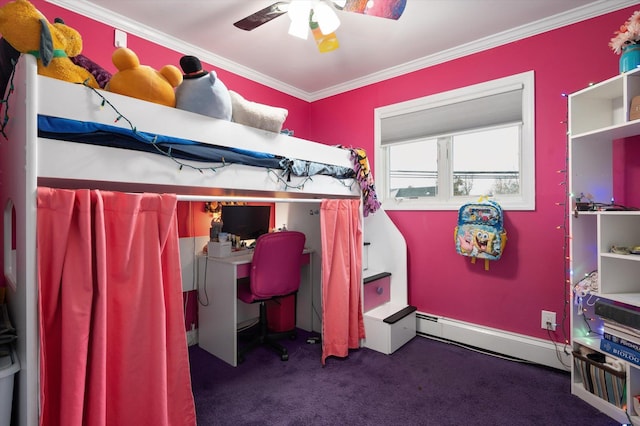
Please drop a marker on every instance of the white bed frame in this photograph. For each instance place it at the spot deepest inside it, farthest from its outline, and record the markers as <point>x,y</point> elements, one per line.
<point>27,162</point>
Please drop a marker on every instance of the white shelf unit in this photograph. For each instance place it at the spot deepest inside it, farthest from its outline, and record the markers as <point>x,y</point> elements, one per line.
<point>598,115</point>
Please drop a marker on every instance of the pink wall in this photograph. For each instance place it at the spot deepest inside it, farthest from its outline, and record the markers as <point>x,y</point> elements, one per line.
<point>530,276</point>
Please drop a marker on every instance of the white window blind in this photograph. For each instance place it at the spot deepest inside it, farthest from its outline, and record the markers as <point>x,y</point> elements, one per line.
<point>455,116</point>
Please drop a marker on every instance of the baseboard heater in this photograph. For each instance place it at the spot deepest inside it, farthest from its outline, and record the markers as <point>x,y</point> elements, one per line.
<point>511,345</point>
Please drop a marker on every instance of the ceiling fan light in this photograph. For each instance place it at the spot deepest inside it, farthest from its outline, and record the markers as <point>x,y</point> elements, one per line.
<point>299,28</point>
<point>326,18</point>
<point>299,10</point>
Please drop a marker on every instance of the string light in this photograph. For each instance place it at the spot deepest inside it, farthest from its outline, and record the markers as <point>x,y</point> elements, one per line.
<point>566,288</point>
<point>181,165</point>
<point>153,142</point>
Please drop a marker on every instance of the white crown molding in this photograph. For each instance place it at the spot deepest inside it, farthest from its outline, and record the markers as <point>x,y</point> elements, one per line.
<point>130,26</point>
<point>571,17</point>
<point>107,17</point>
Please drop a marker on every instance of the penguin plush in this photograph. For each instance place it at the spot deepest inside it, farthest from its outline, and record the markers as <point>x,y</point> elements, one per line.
<point>202,91</point>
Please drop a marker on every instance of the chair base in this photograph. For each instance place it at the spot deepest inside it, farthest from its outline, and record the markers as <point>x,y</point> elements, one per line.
<point>262,337</point>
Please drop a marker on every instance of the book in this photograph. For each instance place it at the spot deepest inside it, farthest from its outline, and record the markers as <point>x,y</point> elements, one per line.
<point>619,351</point>
<point>621,335</point>
<point>601,379</point>
<point>621,340</point>
<point>622,330</point>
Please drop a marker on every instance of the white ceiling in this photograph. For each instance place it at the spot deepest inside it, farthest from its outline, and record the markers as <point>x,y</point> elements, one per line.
<point>371,48</point>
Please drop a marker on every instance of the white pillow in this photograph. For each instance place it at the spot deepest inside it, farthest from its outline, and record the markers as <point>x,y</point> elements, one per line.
<point>256,115</point>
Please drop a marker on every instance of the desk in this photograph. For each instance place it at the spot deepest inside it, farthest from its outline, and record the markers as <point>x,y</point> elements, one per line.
<point>218,320</point>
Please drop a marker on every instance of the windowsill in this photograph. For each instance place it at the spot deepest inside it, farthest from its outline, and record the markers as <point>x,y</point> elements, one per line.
<point>413,204</point>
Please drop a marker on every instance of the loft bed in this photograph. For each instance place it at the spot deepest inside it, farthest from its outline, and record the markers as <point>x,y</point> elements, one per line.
<point>28,160</point>
<point>70,162</point>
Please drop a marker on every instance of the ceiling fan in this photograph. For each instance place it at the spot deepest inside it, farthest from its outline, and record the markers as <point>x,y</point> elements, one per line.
<point>320,17</point>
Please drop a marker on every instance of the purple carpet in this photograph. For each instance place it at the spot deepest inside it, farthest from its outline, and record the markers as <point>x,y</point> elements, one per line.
<point>426,382</point>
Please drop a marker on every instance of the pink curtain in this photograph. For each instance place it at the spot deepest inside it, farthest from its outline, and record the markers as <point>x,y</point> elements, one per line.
<point>113,348</point>
<point>342,323</point>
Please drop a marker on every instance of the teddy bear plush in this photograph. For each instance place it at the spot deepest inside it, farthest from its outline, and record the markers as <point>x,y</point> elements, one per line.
<point>142,81</point>
<point>28,31</point>
<point>202,91</point>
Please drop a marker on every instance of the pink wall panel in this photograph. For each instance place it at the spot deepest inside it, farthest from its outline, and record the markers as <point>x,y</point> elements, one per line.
<point>193,220</point>
<point>530,276</point>
<point>626,189</point>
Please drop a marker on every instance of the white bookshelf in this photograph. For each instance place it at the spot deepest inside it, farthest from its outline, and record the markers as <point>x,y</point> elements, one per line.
<point>598,115</point>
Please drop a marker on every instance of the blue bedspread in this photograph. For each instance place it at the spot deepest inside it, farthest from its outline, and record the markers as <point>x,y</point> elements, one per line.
<point>117,137</point>
<point>177,148</point>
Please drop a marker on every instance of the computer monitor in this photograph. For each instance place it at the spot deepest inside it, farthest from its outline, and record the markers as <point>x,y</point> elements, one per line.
<point>248,222</point>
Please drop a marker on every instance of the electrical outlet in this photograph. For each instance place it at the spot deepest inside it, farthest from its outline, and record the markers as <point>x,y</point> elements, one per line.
<point>548,320</point>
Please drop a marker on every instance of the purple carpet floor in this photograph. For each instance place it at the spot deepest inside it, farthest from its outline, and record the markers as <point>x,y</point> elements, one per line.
<point>426,382</point>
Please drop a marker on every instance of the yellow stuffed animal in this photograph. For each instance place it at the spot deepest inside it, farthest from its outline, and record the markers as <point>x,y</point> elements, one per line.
<point>28,31</point>
<point>142,81</point>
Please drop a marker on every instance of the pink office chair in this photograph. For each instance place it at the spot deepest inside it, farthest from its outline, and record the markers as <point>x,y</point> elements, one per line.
<point>275,272</point>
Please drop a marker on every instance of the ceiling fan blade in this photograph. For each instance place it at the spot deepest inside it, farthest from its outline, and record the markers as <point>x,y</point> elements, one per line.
<point>390,9</point>
<point>262,16</point>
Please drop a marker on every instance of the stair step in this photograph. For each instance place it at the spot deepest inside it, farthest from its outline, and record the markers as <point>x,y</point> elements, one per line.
<point>376,277</point>
<point>400,314</point>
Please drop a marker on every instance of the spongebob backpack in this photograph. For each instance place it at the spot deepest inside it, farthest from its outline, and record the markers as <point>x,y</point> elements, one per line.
<point>480,233</point>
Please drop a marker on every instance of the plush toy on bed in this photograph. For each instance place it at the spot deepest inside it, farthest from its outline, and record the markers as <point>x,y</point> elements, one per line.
<point>257,115</point>
<point>142,81</point>
<point>101,75</point>
<point>202,91</point>
<point>28,31</point>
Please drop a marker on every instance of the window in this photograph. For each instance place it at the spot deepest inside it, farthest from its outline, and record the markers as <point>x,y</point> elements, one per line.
<point>440,151</point>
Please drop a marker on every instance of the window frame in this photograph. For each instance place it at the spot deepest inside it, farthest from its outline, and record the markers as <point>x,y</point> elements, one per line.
<point>444,200</point>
